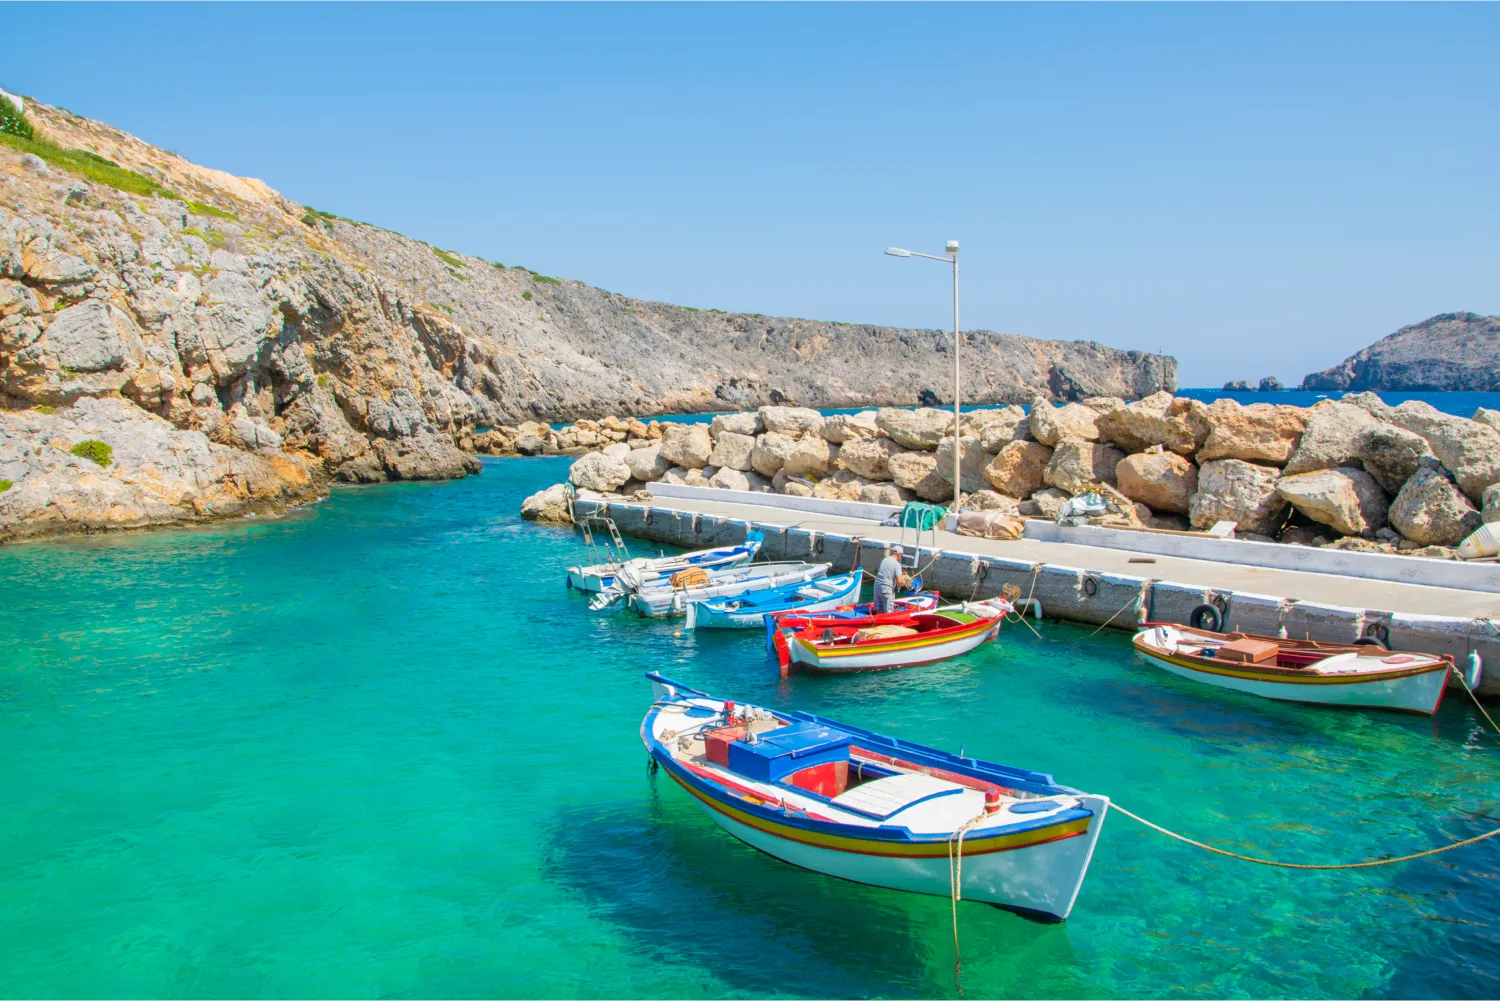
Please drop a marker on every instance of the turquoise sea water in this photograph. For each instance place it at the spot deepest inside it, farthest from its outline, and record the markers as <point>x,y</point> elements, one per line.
<point>377,749</point>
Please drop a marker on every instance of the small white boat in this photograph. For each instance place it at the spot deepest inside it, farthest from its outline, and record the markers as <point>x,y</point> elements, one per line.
<point>605,576</point>
<point>861,806</point>
<point>749,611</point>
<point>672,596</point>
<point>885,642</point>
<point>1335,674</point>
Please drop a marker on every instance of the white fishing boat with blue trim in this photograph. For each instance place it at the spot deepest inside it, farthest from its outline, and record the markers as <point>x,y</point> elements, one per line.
<point>861,806</point>
<point>686,587</point>
<point>605,576</point>
<point>749,611</point>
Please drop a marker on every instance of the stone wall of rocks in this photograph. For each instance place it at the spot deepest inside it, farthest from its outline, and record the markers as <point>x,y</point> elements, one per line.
<point>1355,473</point>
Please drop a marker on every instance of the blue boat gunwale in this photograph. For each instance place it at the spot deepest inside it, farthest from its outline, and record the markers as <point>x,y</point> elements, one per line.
<point>884,832</point>
<point>749,605</point>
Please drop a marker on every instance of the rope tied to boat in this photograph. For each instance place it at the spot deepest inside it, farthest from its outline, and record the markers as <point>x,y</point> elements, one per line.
<point>1137,601</point>
<point>955,882</point>
<point>1369,864</point>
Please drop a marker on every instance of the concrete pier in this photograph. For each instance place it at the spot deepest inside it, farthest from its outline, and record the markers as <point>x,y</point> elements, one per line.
<point>1095,585</point>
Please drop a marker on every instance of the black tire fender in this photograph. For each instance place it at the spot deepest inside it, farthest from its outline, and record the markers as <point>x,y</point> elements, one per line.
<point>1206,617</point>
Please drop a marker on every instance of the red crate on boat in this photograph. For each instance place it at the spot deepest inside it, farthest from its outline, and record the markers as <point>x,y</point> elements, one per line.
<point>716,743</point>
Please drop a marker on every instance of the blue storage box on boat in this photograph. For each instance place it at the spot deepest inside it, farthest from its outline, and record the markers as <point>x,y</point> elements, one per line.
<point>792,748</point>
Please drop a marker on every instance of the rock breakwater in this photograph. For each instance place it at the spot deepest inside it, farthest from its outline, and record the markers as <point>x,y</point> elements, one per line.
<point>1352,474</point>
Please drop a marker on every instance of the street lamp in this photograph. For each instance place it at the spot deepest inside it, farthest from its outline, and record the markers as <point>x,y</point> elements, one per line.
<point>951,258</point>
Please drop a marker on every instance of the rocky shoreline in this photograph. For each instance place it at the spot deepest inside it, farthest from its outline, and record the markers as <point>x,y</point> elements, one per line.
<point>1351,474</point>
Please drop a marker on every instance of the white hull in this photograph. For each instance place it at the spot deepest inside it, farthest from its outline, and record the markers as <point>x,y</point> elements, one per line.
<point>605,576</point>
<point>807,655</point>
<point>662,600</point>
<point>1042,879</point>
<point>1415,693</point>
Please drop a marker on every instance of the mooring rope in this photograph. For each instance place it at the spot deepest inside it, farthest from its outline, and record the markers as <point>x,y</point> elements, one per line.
<point>1301,865</point>
<point>1477,704</point>
<point>1133,601</point>
<point>955,884</point>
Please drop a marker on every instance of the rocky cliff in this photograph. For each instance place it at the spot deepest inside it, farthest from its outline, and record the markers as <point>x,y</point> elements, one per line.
<point>1450,352</point>
<point>230,321</point>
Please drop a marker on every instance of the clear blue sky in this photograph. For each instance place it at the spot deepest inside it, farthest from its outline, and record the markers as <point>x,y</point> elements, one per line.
<point>1255,189</point>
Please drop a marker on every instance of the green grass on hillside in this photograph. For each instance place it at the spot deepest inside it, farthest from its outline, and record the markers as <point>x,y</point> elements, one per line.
<point>448,258</point>
<point>541,279</point>
<point>89,166</point>
<point>94,449</point>
<point>12,121</point>
<point>5,485</point>
<point>199,208</point>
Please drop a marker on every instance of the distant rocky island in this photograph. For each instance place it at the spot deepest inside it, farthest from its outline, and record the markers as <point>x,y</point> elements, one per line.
<point>178,344</point>
<point>1452,352</point>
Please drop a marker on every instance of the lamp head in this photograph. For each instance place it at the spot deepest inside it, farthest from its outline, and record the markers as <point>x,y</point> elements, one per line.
<point>897,252</point>
<point>952,247</point>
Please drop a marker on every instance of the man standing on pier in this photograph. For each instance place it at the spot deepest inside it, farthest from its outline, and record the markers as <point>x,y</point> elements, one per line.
<point>889,579</point>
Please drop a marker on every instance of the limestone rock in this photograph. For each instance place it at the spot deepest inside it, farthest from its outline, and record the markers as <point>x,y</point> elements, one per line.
<point>732,449</point>
<point>1007,425</point>
<point>885,493</point>
<point>550,506</point>
<point>1238,491</point>
<point>1346,499</point>
<point>686,445</point>
<point>1048,503</point>
<point>841,428</point>
<point>792,486</point>
<point>617,450</point>
<point>699,477</point>
<point>1051,425</point>
<point>748,423</point>
<point>771,452</point>
<point>1390,454</point>
<point>1431,511</point>
<point>1491,503</point>
<point>915,429</point>
<point>812,457</point>
<point>917,471</point>
<point>252,435</point>
<point>157,474</point>
<point>868,457</point>
<point>1490,417</point>
<point>676,475</point>
<point>1102,404</point>
<point>842,485</point>
<point>989,500</point>
<point>1334,437</point>
<point>1261,432</point>
<point>1078,465</point>
<point>726,478</point>
<point>646,464</point>
<point>1019,468</point>
<point>790,420</point>
<point>1469,449</point>
<point>1149,422</point>
<point>1163,481</point>
<point>597,471</point>
<point>970,464</point>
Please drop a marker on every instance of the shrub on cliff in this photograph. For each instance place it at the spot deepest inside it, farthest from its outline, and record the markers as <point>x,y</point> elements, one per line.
<point>12,121</point>
<point>95,450</point>
<point>5,485</point>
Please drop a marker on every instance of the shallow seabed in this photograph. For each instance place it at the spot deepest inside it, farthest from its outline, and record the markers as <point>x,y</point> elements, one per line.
<point>378,750</point>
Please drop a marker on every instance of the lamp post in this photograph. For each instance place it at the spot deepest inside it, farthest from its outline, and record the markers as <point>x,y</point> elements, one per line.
<point>951,258</point>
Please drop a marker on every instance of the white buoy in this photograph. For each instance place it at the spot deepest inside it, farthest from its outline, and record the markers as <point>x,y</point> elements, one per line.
<point>1475,673</point>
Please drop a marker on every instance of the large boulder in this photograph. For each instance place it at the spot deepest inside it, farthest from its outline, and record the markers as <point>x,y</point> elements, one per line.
<point>1019,467</point>
<point>1490,509</point>
<point>998,433</point>
<point>1047,503</point>
<point>726,478</point>
<point>970,462</point>
<point>646,464</point>
<point>1490,417</point>
<point>687,445</point>
<point>1238,491</point>
<point>1431,511</point>
<point>1334,437</point>
<point>790,420</point>
<point>842,485</point>
<point>1346,499</point>
<point>1163,481</point>
<point>868,457</point>
<point>597,471</point>
<point>746,424</point>
<point>1180,425</point>
<point>841,428</point>
<point>1390,454</point>
<point>917,472</point>
<point>548,506</point>
<point>813,457</point>
<point>915,429</point>
<point>1469,449</point>
<point>1077,466</point>
<point>1260,432</point>
<point>732,449</point>
<point>770,453</point>
<point>885,493</point>
<point>1050,425</point>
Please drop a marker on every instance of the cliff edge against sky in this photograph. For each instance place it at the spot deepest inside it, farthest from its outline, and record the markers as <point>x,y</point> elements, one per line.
<point>1451,352</point>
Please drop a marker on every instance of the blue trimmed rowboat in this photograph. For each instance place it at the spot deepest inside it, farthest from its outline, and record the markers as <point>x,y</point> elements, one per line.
<point>850,803</point>
<point>672,596</point>
<point>748,611</point>
<point>605,577</point>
